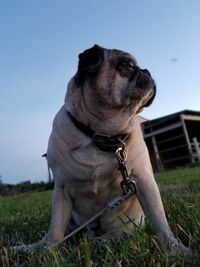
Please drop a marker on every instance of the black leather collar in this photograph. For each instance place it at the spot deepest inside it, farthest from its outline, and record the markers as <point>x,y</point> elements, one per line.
<point>107,143</point>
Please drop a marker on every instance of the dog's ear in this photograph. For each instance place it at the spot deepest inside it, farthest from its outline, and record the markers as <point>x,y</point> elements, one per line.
<point>91,59</point>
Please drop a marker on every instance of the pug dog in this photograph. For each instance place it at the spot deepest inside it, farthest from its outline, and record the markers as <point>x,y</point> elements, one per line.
<point>104,99</point>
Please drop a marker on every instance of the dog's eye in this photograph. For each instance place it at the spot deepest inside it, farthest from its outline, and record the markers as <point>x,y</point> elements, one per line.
<point>129,65</point>
<point>126,67</point>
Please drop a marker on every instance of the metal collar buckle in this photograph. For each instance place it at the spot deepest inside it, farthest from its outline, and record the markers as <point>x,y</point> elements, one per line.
<point>107,142</point>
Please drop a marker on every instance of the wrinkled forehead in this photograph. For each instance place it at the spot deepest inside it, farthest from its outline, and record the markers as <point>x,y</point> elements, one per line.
<point>118,55</point>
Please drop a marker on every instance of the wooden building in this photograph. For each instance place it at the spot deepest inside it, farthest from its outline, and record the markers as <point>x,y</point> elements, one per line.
<point>173,140</point>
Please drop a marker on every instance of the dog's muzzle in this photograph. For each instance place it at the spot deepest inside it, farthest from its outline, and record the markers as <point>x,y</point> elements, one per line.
<point>144,79</point>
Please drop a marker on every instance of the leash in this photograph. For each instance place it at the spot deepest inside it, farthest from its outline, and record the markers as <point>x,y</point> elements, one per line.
<point>105,143</point>
<point>115,202</point>
<point>128,187</point>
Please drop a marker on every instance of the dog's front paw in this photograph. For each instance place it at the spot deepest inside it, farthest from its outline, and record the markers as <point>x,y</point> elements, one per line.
<point>29,247</point>
<point>180,249</point>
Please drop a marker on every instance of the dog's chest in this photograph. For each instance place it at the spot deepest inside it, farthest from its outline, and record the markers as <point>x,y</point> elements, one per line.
<point>93,169</point>
<point>93,162</point>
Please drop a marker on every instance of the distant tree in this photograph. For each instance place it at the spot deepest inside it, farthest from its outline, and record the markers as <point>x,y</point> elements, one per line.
<point>1,179</point>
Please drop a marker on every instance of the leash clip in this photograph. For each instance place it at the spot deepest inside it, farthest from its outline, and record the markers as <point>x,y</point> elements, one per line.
<point>121,157</point>
<point>128,187</point>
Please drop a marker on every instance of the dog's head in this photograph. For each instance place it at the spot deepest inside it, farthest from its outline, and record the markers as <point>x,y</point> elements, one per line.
<point>113,79</point>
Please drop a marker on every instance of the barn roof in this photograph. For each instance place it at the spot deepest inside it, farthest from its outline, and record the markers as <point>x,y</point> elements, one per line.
<point>188,114</point>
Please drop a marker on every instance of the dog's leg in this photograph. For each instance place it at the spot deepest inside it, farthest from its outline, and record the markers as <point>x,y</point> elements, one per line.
<point>61,214</point>
<point>149,197</point>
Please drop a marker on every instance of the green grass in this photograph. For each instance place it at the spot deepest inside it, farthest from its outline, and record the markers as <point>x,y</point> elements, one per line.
<point>25,218</point>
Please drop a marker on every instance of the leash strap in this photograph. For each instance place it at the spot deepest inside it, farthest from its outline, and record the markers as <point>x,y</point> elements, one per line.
<point>128,188</point>
<point>106,143</point>
<point>115,202</point>
<point>112,204</point>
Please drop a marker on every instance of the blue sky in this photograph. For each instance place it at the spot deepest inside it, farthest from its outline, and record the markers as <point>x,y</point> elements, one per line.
<point>39,47</point>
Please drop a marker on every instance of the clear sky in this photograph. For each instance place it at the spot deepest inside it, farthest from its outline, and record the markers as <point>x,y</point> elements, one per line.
<point>39,45</point>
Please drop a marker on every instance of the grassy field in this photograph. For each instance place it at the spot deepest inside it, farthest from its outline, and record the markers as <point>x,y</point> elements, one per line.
<point>25,218</point>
